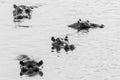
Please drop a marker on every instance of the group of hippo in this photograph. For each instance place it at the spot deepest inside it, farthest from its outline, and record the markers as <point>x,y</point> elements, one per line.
<point>31,67</point>
<point>63,43</point>
<point>22,12</point>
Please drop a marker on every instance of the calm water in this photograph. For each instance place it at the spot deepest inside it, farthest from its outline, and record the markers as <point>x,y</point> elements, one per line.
<point>96,58</point>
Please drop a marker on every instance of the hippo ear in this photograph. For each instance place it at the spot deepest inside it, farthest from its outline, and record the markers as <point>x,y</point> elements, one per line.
<point>22,63</point>
<point>66,38</point>
<point>88,21</point>
<point>40,63</point>
<point>14,5</point>
<point>53,39</point>
<point>80,20</point>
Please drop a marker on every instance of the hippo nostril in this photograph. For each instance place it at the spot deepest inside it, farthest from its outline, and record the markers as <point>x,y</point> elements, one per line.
<point>26,16</point>
<point>19,17</point>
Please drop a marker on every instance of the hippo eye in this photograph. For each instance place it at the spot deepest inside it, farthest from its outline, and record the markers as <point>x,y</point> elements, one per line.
<point>27,10</point>
<point>20,10</point>
<point>36,70</point>
<point>22,63</point>
<point>24,70</point>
